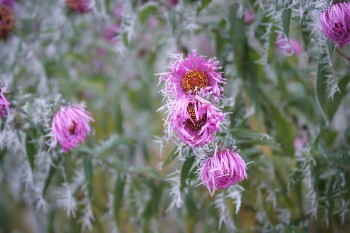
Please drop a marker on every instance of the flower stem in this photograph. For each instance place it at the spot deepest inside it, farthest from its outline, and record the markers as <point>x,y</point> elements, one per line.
<point>342,54</point>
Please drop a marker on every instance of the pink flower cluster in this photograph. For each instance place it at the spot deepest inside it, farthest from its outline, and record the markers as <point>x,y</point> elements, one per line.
<point>191,80</point>
<point>335,22</point>
<point>193,89</point>
<point>70,126</point>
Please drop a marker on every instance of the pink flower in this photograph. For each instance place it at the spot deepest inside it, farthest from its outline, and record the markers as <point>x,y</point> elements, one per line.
<point>248,17</point>
<point>223,169</point>
<point>335,22</point>
<point>193,75</point>
<point>288,47</point>
<point>80,6</point>
<point>195,120</point>
<point>70,126</point>
<point>4,104</point>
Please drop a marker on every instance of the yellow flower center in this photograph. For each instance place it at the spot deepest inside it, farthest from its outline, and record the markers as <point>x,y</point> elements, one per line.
<point>193,80</point>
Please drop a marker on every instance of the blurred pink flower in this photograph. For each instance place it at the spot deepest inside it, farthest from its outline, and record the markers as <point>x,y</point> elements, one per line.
<point>152,22</point>
<point>335,22</point>
<point>193,75</point>
<point>70,126</point>
<point>173,2</point>
<point>4,104</point>
<point>299,143</point>
<point>288,47</point>
<point>110,33</point>
<point>195,120</point>
<point>223,169</point>
<point>248,17</point>
<point>80,6</point>
<point>117,11</point>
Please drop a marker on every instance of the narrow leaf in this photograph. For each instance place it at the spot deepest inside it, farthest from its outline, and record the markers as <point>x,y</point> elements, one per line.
<point>118,196</point>
<point>185,171</point>
<point>321,89</point>
<point>334,103</point>
<point>88,174</point>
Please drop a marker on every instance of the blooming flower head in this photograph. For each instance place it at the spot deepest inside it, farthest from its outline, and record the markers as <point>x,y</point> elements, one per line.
<point>7,21</point>
<point>288,47</point>
<point>70,126</point>
<point>4,104</point>
<point>191,76</point>
<point>335,22</point>
<point>195,120</point>
<point>223,169</point>
<point>80,6</point>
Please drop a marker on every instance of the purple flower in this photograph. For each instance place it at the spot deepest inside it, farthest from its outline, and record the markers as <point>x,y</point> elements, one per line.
<point>7,21</point>
<point>80,6</point>
<point>335,22</point>
<point>70,126</point>
<point>288,47</point>
<point>223,169</point>
<point>195,120</point>
<point>193,75</point>
<point>4,104</point>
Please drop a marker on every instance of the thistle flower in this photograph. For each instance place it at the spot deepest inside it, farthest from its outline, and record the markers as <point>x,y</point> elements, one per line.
<point>223,169</point>
<point>80,6</point>
<point>7,21</point>
<point>192,76</point>
<point>288,46</point>
<point>4,104</point>
<point>195,120</point>
<point>70,126</point>
<point>335,22</point>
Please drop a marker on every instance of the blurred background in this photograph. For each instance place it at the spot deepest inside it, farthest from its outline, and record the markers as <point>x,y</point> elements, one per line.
<point>286,95</point>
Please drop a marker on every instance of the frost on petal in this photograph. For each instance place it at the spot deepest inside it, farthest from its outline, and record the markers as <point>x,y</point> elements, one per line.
<point>193,75</point>
<point>70,126</point>
<point>335,22</point>
<point>224,169</point>
<point>195,121</point>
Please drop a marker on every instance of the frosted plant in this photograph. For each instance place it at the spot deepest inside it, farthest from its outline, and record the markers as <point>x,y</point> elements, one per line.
<point>66,200</point>
<point>174,191</point>
<point>225,216</point>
